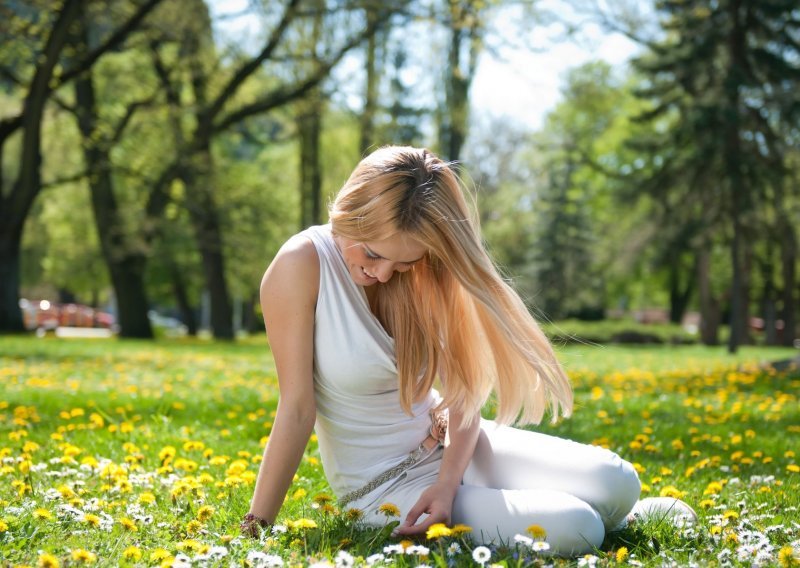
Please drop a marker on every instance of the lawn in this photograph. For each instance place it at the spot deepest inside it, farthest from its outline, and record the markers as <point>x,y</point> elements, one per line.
<point>138,453</point>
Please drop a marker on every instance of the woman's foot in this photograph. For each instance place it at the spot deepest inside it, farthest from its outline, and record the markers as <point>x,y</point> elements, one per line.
<point>660,508</point>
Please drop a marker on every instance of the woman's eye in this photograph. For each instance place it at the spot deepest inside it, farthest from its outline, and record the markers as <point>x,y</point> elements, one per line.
<point>371,255</point>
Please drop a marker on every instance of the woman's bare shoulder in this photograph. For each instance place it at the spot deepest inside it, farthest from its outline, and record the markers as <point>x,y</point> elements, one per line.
<point>295,269</point>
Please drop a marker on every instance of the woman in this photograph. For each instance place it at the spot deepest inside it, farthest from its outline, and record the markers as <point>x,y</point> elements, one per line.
<point>365,313</point>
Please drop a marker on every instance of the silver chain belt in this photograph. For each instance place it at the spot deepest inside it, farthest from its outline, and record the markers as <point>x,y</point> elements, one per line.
<point>437,435</point>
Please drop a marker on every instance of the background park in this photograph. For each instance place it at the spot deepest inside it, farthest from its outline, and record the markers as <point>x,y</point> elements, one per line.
<point>636,169</point>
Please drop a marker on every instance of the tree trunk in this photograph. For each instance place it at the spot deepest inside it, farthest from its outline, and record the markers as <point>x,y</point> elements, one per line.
<point>126,265</point>
<point>709,306</point>
<point>789,272</point>
<point>371,90</point>
<point>199,179</point>
<point>182,299</point>
<point>678,297</point>
<point>310,130</point>
<point>15,206</point>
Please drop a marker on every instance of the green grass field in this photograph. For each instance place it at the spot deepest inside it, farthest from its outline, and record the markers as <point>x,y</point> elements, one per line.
<point>137,453</point>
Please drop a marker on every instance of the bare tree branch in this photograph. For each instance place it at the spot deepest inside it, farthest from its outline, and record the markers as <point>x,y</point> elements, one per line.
<point>287,94</point>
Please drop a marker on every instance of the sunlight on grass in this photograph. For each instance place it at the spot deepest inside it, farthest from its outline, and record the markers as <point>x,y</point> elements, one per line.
<point>136,453</point>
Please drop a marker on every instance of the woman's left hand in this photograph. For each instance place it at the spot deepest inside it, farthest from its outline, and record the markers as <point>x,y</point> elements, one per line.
<point>437,502</point>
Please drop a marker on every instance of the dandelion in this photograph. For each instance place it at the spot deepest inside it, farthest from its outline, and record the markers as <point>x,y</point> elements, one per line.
<point>132,553</point>
<point>303,524</point>
<point>786,557</point>
<point>706,503</point>
<point>42,514</point>
<point>438,530</point>
<point>128,524</point>
<point>48,560</point>
<point>481,555</point>
<point>389,510</point>
<point>537,531</point>
<point>460,529</point>
<point>159,555</point>
<point>205,512</point>
<point>3,526</point>
<point>621,554</point>
<point>353,514</point>
<point>793,467</point>
<point>83,555</point>
<point>193,526</point>
<point>91,519</point>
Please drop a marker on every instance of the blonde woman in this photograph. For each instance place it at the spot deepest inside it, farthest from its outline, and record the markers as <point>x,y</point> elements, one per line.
<point>363,316</point>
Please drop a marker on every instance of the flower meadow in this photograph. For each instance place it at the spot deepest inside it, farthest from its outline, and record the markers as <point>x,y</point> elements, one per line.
<point>120,453</point>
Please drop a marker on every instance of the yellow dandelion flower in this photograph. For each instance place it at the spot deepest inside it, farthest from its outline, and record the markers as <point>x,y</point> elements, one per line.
<point>621,554</point>
<point>716,529</point>
<point>786,557</point>
<point>91,519</point>
<point>438,530</point>
<point>132,553</point>
<point>189,544</point>
<point>537,531</point>
<point>672,491</point>
<point>159,554</point>
<point>303,524</point>
<point>389,510</point>
<point>42,514</point>
<point>713,488</point>
<point>353,514</point>
<point>193,526</point>
<point>83,555</point>
<point>322,498</point>
<point>706,503</point>
<point>147,498</point>
<point>460,529</point>
<point>3,526</point>
<point>730,515</point>
<point>299,494</point>
<point>48,560</point>
<point>205,512</point>
<point>793,467</point>
<point>731,537</point>
<point>128,524</point>
<point>167,562</point>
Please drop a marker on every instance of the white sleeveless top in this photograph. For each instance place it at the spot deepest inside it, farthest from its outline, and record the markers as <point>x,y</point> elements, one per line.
<point>362,429</point>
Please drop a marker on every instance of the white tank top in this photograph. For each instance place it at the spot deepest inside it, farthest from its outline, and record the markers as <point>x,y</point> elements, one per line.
<point>362,429</point>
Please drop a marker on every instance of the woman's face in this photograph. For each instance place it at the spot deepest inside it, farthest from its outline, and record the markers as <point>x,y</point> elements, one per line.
<point>376,261</point>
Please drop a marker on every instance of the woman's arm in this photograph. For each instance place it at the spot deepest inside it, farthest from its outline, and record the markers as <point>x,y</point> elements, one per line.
<point>437,500</point>
<point>288,299</point>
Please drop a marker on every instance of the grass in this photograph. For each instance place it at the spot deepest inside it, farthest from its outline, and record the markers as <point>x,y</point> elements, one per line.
<point>139,453</point>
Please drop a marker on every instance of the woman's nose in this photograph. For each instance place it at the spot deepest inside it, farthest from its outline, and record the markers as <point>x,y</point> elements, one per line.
<point>385,271</point>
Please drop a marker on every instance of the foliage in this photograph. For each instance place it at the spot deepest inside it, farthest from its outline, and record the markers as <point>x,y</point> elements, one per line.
<point>128,453</point>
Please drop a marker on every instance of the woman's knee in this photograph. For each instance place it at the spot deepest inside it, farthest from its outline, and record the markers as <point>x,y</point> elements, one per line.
<point>619,488</point>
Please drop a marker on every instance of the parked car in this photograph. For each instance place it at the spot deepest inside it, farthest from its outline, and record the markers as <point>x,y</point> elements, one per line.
<point>47,316</point>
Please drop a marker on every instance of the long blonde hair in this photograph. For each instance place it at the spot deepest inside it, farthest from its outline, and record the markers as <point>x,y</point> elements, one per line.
<point>452,313</point>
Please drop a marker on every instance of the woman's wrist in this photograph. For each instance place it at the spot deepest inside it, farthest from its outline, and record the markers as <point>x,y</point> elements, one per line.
<point>253,525</point>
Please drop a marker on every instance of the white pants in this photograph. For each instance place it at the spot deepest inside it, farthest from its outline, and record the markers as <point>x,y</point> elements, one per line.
<point>517,478</point>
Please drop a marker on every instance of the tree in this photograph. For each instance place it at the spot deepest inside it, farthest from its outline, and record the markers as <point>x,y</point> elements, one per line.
<point>16,203</point>
<point>727,71</point>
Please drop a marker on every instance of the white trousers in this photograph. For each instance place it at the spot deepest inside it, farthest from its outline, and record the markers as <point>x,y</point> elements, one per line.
<point>516,479</point>
<point>519,478</point>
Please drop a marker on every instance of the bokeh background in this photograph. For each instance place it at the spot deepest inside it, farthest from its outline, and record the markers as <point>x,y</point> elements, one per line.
<point>634,164</point>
